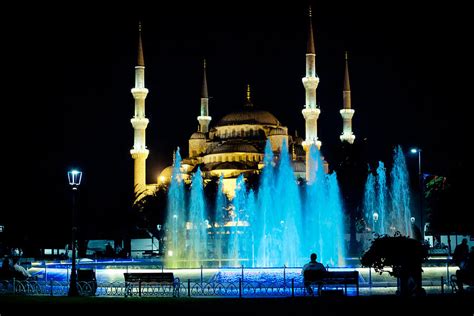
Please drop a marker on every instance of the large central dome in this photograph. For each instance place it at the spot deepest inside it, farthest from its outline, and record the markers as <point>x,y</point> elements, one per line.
<point>249,116</point>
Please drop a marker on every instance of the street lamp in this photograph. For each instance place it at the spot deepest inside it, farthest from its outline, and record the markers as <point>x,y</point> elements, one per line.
<point>420,183</point>
<point>375,218</point>
<point>74,178</point>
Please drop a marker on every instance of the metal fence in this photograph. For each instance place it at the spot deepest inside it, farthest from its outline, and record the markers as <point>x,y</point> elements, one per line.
<point>186,289</point>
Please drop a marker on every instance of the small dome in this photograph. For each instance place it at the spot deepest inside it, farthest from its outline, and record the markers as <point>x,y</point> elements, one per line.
<point>231,147</point>
<point>198,135</point>
<point>166,174</point>
<point>249,116</point>
<point>277,131</point>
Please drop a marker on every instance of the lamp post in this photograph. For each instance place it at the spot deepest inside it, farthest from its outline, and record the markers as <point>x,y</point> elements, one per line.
<point>74,178</point>
<point>420,183</point>
<point>375,218</point>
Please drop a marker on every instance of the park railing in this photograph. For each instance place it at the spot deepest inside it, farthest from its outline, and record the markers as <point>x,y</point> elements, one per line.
<point>52,279</point>
<point>187,288</point>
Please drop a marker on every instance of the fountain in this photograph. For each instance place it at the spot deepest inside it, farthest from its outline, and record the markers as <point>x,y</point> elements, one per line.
<point>387,206</point>
<point>277,225</point>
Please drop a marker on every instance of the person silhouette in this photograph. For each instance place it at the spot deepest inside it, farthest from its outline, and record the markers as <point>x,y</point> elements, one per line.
<point>466,273</point>
<point>19,271</point>
<point>109,251</point>
<point>460,253</point>
<point>312,271</point>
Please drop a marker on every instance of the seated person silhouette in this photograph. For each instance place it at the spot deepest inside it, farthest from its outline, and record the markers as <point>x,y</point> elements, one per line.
<point>6,272</point>
<point>313,272</point>
<point>20,272</point>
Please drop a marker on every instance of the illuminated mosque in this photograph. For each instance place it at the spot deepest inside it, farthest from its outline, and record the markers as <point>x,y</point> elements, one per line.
<point>235,144</point>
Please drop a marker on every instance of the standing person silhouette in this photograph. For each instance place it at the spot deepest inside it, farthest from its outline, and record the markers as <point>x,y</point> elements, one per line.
<point>312,271</point>
<point>466,272</point>
<point>461,253</point>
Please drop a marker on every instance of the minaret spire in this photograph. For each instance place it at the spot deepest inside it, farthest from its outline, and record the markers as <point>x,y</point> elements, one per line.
<point>311,111</point>
<point>139,121</point>
<point>204,93</point>
<point>347,112</point>
<point>310,49</point>
<point>204,119</point>
<point>141,60</point>
<point>248,99</point>
<point>347,85</point>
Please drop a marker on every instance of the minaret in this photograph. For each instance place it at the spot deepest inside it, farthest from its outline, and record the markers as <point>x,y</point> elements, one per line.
<point>139,121</point>
<point>347,112</point>
<point>310,82</point>
<point>204,119</point>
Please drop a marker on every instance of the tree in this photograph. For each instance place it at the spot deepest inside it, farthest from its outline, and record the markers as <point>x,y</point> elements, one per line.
<point>404,255</point>
<point>149,210</point>
<point>448,205</point>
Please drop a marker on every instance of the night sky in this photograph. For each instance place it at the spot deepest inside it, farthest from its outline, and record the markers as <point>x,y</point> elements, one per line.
<point>69,74</point>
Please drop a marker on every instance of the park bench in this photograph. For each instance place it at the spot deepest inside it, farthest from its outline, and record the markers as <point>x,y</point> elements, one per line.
<point>332,278</point>
<point>86,281</point>
<point>147,279</point>
<point>454,283</point>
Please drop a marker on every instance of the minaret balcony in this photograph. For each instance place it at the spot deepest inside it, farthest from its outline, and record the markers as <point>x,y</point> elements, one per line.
<point>139,123</point>
<point>204,118</point>
<point>139,153</point>
<point>347,137</point>
<point>307,144</point>
<point>311,113</point>
<point>139,93</point>
<point>310,82</point>
<point>347,114</point>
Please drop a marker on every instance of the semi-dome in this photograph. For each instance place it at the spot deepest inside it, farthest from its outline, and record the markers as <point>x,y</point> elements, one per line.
<point>249,116</point>
<point>198,135</point>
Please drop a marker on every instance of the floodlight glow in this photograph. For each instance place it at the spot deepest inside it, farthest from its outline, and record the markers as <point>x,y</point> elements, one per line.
<point>414,150</point>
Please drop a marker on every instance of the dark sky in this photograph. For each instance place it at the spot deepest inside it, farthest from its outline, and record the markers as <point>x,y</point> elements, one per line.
<point>69,74</point>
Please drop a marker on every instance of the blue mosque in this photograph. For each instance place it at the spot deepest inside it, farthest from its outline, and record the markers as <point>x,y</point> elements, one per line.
<point>235,143</point>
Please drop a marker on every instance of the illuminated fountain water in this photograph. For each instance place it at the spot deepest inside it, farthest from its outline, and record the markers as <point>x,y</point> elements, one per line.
<point>275,226</point>
<point>387,206</point>
<point>176,217</point>
<point>400,193</point>
<point>198,223</point>
<point>219,220</point>
<point>324,213</point>
<point>262,227</point>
